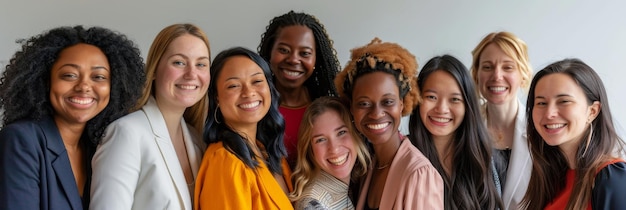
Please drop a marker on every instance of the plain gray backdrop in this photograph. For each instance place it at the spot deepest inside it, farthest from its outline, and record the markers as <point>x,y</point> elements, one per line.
<point>594,31</point>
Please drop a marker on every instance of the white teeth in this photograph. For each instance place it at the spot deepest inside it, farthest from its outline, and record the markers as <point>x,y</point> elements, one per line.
<point>81,101</point>
<point>250,105</point>
<point>497,89</point>
<point>555,126</point>
<point>293,73</point>
<point>377,126</point>
<point>339,160</point>
<point>441,119</point>
<point>187,87</point>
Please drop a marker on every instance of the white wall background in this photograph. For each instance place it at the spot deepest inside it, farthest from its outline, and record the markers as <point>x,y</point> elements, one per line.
<point>594,31</point>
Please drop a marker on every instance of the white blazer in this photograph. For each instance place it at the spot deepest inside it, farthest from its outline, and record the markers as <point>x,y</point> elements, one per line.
<point>136,166</point>
<point>520,164</point>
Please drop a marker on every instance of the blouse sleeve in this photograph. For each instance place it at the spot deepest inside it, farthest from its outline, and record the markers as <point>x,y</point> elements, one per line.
<point>610,187</point>
<point>226,183</point>
<point>19,169</point>
<point>427,187</point>
<point>308,203</point>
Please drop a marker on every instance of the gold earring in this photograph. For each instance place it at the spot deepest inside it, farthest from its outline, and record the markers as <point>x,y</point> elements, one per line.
<point>215,114</point>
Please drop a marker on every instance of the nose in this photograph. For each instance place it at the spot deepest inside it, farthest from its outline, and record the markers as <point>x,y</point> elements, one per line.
<point>442,107</point>
<point>293,58</point>
<point>377,112</point>
<point>497,73</point>
<point>551,111</point>
<point>83,85</point>
<point>333,145</point>
<point>190,72</point>
<point>246,91</point>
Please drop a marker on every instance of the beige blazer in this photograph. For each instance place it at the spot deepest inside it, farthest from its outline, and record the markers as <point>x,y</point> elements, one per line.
<point>412,182</point>
<point>520,164</point>
<point>136,166</point>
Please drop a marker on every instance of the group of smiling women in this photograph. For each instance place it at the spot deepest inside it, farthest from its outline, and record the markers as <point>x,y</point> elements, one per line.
<point>88,124</point>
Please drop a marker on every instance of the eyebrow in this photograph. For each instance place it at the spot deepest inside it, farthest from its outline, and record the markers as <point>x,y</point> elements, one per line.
<point>78,67</point>
<point>557,96</point>
<point>285,44</point>
<point>336,129</point>
<point>254,74</point>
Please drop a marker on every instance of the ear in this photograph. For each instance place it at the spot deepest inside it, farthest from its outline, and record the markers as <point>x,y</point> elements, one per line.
<point>594,110</point>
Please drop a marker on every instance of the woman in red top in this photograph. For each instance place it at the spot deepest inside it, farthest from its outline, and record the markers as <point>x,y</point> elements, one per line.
<point>573,143</point>
<point>304,64</point>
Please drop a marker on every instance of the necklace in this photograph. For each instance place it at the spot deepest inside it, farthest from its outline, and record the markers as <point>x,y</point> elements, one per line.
<point>379,167</point>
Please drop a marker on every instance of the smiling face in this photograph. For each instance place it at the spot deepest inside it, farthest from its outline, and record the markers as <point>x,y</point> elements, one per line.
<point>499,77</point>
<point>293,56</point>
<point>182,75</point>
<point>243,93</point>
<point>80,84</point>
<point>561,113</point>
<point>443,108</point>
<point>333,145</point>
<point>376,106</point>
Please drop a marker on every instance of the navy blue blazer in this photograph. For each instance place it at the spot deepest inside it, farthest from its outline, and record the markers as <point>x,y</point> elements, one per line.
<point>35,171</point>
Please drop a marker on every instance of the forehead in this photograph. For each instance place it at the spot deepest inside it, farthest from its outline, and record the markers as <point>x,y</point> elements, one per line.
<point>556,84</point>
<point>82,53</point>
<point>441,80</point>
<point>493,51</point>
<point>375,84</point>
<point>187,44</point>
<point>239,67</point>
<point>296,33</point>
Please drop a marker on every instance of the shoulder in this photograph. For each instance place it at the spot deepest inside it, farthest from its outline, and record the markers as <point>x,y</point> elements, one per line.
<point>218,156</point>
<point>615,171</point>
<point>411,157</point>
<point>26,132</point>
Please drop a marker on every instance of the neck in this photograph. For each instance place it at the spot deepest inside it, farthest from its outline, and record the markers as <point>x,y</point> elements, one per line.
<point>502,115</point>
<point>70,133</point>
<point>387,151</point>
<point>443,145</point>
<point>293,97</point>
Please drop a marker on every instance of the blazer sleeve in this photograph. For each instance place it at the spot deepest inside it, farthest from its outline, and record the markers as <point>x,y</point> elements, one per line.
<point>227,184</point>
<point>424,189</point>
<point>116,167</point>
<point>20,166</point>
<point>610,187</point>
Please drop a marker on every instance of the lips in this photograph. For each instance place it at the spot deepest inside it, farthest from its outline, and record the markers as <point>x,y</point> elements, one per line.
<point>81,100</point>
<point>339,160</point>
<point>250,105</point>
<point>378,126</point>
<point>555,126</point>
<point>497,88</point>
<point>187,87</point>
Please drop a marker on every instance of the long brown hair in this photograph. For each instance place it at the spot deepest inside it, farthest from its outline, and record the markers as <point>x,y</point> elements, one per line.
<point>196,114</point>
<point>549,162</point>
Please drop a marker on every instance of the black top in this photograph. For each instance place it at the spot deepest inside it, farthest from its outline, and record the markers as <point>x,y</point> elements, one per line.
<point>610,188</point>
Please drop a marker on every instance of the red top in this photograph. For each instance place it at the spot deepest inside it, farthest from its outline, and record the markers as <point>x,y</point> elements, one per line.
<point>293,117</point>
<point>560,201</point>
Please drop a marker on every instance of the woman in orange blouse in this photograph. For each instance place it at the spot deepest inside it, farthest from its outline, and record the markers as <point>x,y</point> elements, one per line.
<point>243,166</point>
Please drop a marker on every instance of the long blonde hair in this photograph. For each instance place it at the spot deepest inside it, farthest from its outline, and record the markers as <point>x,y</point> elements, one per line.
<point>306,168</point>
<point>196,114</point>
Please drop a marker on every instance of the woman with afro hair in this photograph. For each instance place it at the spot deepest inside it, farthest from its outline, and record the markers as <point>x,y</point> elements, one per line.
<point>58,94</point>
<point>304,64</point>
<point>379,85</point>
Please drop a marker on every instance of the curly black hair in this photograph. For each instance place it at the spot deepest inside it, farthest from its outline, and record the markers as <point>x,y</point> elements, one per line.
<point>25,84</point>
<point>326,62</point>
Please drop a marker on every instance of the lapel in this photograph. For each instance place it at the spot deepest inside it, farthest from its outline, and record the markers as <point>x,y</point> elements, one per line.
<point>395,179</point>
<point>520,165</point>
<point>166,148</point>
<point>60,162</point>
<point>194,145</point>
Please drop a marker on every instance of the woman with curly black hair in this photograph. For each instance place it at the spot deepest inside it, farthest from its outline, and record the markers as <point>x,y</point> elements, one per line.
<point>304,64</point>
<point>58,94</point>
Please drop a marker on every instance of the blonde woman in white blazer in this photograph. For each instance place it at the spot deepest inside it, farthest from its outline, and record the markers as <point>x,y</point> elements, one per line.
<point>149,159</point>
<point>501,69</point>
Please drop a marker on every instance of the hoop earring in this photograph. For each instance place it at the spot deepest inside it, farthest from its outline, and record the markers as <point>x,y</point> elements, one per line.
<point>215,114</point>
<point>588,140</point>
